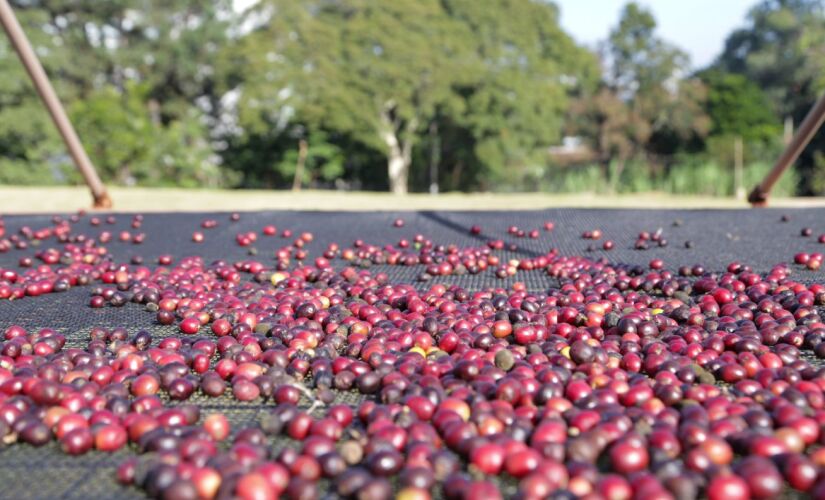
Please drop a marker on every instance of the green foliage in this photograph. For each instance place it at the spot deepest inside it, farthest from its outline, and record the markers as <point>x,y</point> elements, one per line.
<point>115,127</point>
<point>575,179</point>
<point>781,51</point>
<point>817,176</point>
<point>131,147</point>
<point>737,106</point>
<point>30,148</point>
<point>380,73</point>
<point>46,172</point>
<point>516,101</point>
<point>721,149</point>
<point>691,177</point>
<point>641,62</point>
<point>615,129</point>
<point>131,73</point>
<point>191,93</point>
<point>643,105</point>
<point>269,159</point>
<point>354,67</point>
<point>711,179</point>
<point>324,161</point>
<point>703,178</point>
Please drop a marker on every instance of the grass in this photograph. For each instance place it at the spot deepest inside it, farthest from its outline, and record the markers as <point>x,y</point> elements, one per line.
<point>687,178</point>
<point>69,199</point>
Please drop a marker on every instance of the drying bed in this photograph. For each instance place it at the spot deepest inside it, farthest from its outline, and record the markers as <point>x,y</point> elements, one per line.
<point>480,426</point>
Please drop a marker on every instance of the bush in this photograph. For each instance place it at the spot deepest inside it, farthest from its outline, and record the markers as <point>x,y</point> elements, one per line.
<point>689,177</point>
<point>131,146</point>
<point>579,179</point>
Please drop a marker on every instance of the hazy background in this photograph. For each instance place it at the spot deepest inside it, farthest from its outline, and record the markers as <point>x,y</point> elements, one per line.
<point>598,96</point>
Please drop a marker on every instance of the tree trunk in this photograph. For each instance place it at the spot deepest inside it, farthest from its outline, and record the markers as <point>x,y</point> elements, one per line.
<point>455,177</point>
<point>399,151</point>
<point>299,166</point>
<point>154,111</point>
<point>604,165</point>
<point>617,174</point>
<point>398,171</point>
<point>435,156</point>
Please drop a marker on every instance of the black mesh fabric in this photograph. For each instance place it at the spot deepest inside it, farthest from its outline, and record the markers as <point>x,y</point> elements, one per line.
<point>754,237</point>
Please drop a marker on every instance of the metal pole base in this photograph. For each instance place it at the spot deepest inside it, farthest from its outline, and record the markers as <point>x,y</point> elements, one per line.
<point>102,201</point>
<point>758,197</point>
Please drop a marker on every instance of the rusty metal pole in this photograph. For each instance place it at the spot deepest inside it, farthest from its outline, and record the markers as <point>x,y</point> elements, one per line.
<point>806,131</point>
<point>47,94</point>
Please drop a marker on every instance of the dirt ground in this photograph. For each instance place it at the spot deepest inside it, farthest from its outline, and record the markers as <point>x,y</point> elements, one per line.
<point>15,199</point>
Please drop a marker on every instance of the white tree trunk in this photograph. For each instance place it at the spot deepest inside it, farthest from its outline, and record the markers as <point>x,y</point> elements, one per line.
<point>398,171</point>
<point>399,152</point>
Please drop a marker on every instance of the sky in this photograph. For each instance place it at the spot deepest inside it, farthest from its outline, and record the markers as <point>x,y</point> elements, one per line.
<point>698,27</point>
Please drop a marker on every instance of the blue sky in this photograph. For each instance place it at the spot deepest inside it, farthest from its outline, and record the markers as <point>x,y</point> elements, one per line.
<point>699,27</point>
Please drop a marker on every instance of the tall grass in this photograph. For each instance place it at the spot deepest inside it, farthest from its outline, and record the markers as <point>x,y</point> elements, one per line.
<point>705,178</point>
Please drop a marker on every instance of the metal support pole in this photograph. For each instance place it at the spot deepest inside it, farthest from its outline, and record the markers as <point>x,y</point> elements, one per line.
<point>738,188</point>
<point>804,134</point>
<point>47,94</point>
<point>435,157</point>
<point>299,165</point>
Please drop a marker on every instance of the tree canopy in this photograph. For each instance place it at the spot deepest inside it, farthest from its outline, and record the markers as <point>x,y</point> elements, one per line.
<point>782,51</point>
<point>738,107</point>
<point>134,75</point>
<point>401,95</point>
<point>647,104</point>
<point>382,73</point>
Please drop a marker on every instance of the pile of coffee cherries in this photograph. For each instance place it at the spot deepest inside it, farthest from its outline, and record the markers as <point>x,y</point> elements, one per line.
<point>615,382</point>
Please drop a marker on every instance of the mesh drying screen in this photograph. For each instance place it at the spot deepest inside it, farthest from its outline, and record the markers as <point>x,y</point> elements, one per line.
<point>754,237</point>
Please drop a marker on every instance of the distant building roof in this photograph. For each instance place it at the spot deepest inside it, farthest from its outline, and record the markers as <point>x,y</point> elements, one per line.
<point>573,149</point>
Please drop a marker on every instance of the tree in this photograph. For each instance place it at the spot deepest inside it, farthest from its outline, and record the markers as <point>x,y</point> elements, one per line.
<point>131,147</point>
<point>524,69</point>
<point>640,62</point>
<point>646,103</point>
<point>375,71</point>
<point>30,148</point>
<point>385,74</point>
<point>615,130</point>
<point>781,49</point>
<point>324,162</point>
<point>738,107</point>
<point>99,54</point>
<point>650,74</point>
